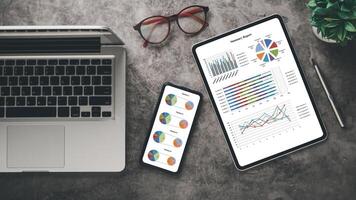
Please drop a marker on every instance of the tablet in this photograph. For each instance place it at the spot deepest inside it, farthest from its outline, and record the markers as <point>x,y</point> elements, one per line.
<point>259,92</point>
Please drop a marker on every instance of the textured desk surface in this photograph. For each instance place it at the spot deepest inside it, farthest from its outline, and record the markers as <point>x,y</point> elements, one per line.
<point>324,171</point>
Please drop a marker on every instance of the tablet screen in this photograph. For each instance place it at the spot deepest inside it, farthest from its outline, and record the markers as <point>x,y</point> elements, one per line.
<point>259,92</point>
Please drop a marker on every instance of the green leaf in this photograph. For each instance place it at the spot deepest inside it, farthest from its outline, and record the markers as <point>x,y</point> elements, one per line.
<point>350,27</point>
<point>344,15</point>
<point>329,19</point>
<point>341,34</point>
<point>311,4</point>
<point>344,8</point>
<point>332,24</point>
<point>320,11</point>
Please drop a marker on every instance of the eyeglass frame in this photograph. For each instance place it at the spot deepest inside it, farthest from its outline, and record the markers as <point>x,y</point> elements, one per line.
<point>170,18</point>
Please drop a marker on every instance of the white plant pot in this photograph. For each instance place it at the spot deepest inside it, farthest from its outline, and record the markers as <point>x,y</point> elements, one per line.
<point>318,35</point>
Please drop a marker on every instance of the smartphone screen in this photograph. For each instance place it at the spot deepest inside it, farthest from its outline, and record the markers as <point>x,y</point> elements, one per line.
<point>171,127</point>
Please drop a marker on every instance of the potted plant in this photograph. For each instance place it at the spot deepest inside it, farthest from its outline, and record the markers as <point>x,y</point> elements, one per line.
<point>333,21</point>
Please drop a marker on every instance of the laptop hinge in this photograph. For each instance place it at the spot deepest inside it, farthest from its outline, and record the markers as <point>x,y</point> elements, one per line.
<point>50,45</point>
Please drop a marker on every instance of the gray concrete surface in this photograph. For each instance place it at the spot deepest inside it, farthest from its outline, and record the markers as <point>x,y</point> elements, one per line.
<point>325,171</point>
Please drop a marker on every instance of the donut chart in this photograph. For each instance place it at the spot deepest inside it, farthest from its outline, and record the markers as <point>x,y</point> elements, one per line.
<point>183,124</point>
<point>177,142</point>
<point>171,161</point>
<point>267,50</point>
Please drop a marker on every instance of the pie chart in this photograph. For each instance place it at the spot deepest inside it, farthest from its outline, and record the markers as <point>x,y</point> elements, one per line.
<point>158,136</point>
<point>165,118</point>
<point>177,142</point>
<point>171,161</point>
<point>183,124</point>
<point>189,105</point>
<point>153,155</point>
<point>171,99</point>
<point>266,50</point>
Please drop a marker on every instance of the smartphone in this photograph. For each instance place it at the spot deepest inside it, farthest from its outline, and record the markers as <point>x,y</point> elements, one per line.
<point>171,125</point>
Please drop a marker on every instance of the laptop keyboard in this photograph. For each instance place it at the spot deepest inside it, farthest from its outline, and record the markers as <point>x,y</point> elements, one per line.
<point>56,88</point>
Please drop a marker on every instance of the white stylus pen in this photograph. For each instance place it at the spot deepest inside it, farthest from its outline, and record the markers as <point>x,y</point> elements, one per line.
<point>330,98</point>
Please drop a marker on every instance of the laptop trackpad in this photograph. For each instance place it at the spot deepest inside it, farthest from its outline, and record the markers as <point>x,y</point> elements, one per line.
<point>35,146</point>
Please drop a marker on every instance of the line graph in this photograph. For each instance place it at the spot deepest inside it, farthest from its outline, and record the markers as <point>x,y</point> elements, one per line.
<point>278,114</point>
<point>261,125</point>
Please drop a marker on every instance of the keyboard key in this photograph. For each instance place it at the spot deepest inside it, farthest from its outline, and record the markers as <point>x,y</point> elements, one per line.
<point>2,62</point>
<point>95,111</point>
<point>18,71</point>
<point>49,70</point>
<point>106,62</point>
<point>106,80</point>
<point>102,90</point>
<point>80,70</point>
<point>3,81</point>
<point>13,80</point>
<point>33,80</point>
<point>85,114</point>
<point>44,80</point>
<point>95,62</point>
<point>52,62</point>
<point>100,101</point>
<point>36,91</point>
<point>74,62</point>
<point>1,70</point>
<point>25,91</point>
<point>75,80</point>
<point>46,91</point>
<point>29,70</point>
<point>2,112</point>
<point>83,101</point>
<point>62,101</point>
<point>72,101</point>
<point>15,91</point>
<point>20,101</point>
<point>52,101</point>
<point>60,70</point>
<point>88,90</point>
<point>70,70</point>
<point>96,80</point>
<point>41,62</point>
<point>63,111</point>
<point>74,111</point>
<point>67,90</point>
<point>85,80</point>
<point>39,70</point>
<point>54,80</point>
<point>57,91</point>
<point>10,101</point>
<point>20,62</point>
<point>31,62</point>
<point>64,80</point>
<point>106,114</point>
<point>104,70</point>
<point>2,101</point>
<point>5,91</point>
<point>91,70</point>
<point>78,90</point>
<point>23,80</point>
<point>63,62</point>
<point>8,71</point>
<point>31,101</point>
<point>12,112</point>
<point>41,101</point>
<point>85,62</point>
<point>10,62</point>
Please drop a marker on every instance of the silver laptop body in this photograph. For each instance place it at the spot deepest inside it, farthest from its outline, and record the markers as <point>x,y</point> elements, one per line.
<point>62,99</point>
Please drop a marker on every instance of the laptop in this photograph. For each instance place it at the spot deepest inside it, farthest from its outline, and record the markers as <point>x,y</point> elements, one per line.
<point>62,99</point>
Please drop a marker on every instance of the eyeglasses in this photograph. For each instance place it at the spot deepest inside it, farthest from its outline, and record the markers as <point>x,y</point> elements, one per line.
<point>191,20</point>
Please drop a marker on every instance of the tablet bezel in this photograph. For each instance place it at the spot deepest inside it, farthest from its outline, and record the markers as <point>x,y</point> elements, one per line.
<point>258,162</point>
